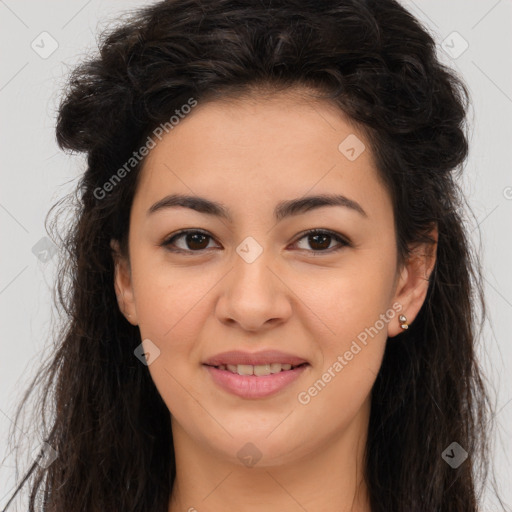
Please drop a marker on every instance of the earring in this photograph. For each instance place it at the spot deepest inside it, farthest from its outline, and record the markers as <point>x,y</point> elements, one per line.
<point>403,322</point>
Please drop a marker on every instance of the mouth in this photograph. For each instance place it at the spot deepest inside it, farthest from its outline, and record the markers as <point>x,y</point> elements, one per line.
<point>255,381</point>
<point>259,370</point>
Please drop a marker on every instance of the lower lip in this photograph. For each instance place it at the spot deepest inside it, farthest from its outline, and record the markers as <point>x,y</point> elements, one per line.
<point>251,386</point>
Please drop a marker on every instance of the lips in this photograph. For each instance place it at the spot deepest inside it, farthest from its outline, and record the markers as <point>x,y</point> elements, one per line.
<point>252,386</point>
<point>266,357</point>
<point>254,375</point>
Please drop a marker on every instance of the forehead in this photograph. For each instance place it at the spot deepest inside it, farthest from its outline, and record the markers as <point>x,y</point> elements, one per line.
<point>285,144</point>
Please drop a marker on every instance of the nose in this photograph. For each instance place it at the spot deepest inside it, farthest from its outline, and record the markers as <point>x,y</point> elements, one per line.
<point>254,295</point>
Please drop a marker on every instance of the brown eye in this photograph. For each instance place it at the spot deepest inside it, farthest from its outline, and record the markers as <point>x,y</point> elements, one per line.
<point>320,241</point>
<point>317,241</point>
<point>196,241</point>
<point>190,241</point>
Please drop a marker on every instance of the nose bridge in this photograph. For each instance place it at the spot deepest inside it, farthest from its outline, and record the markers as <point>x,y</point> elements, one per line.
<point>252,276</point>
<point>253,294</point>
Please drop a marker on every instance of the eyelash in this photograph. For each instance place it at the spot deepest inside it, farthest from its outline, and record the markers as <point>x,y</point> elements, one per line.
<point>344,242</point>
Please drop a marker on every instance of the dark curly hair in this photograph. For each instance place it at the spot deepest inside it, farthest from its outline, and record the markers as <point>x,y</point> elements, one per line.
<point>375,62</point>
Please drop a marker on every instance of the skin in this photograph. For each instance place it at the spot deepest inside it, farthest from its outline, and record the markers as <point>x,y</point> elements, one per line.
<point>250,154</point>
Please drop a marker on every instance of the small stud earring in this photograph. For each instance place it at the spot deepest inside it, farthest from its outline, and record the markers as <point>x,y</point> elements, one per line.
<point>403,322</point>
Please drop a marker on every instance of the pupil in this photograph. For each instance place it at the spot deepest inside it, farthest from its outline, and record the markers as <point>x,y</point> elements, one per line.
<point>323,245</point>
<point>194,238</point>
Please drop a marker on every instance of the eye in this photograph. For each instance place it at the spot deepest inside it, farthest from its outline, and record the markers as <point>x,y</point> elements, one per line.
<point>320,240</point>
<point>192,241</point>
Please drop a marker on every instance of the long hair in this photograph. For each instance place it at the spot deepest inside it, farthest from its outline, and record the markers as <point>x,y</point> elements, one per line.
<point>109,426</point>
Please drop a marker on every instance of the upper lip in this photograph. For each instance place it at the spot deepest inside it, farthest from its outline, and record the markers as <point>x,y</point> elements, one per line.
<point>236,357</point>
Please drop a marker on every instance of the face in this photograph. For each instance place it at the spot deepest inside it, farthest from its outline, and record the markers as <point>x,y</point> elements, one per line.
<point>199,284</point>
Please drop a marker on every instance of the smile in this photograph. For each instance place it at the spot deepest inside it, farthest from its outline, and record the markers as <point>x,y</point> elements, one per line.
<point>258,370</point>
<point>255,381</point>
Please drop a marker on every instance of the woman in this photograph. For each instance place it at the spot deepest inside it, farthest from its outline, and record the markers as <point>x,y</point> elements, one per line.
<point>270,291</point>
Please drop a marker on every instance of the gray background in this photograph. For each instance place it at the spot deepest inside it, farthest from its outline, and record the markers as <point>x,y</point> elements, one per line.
<point>35,174</point>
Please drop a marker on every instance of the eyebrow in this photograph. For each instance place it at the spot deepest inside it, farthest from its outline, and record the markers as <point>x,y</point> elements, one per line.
<point>282,210</point>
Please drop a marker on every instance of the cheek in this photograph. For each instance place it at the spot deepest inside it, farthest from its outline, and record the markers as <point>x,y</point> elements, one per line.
<point>353,297</point>
<point>172,308</point>
<point>351,350</point>
<point>355,308</point>
<point>168,298</point>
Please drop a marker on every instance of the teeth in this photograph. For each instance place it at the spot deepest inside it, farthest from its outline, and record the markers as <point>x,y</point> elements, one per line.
<point>259,369</point>
<point>262,369</point>
<point>245,369</point>
<point>275,367</point>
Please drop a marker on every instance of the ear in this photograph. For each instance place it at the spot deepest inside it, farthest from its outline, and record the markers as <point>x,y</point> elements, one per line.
<point>123,284</point>
<point>413,281</point>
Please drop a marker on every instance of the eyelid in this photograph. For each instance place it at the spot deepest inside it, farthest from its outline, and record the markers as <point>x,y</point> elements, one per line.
<point>341,239</point>
<point>167,241</point>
